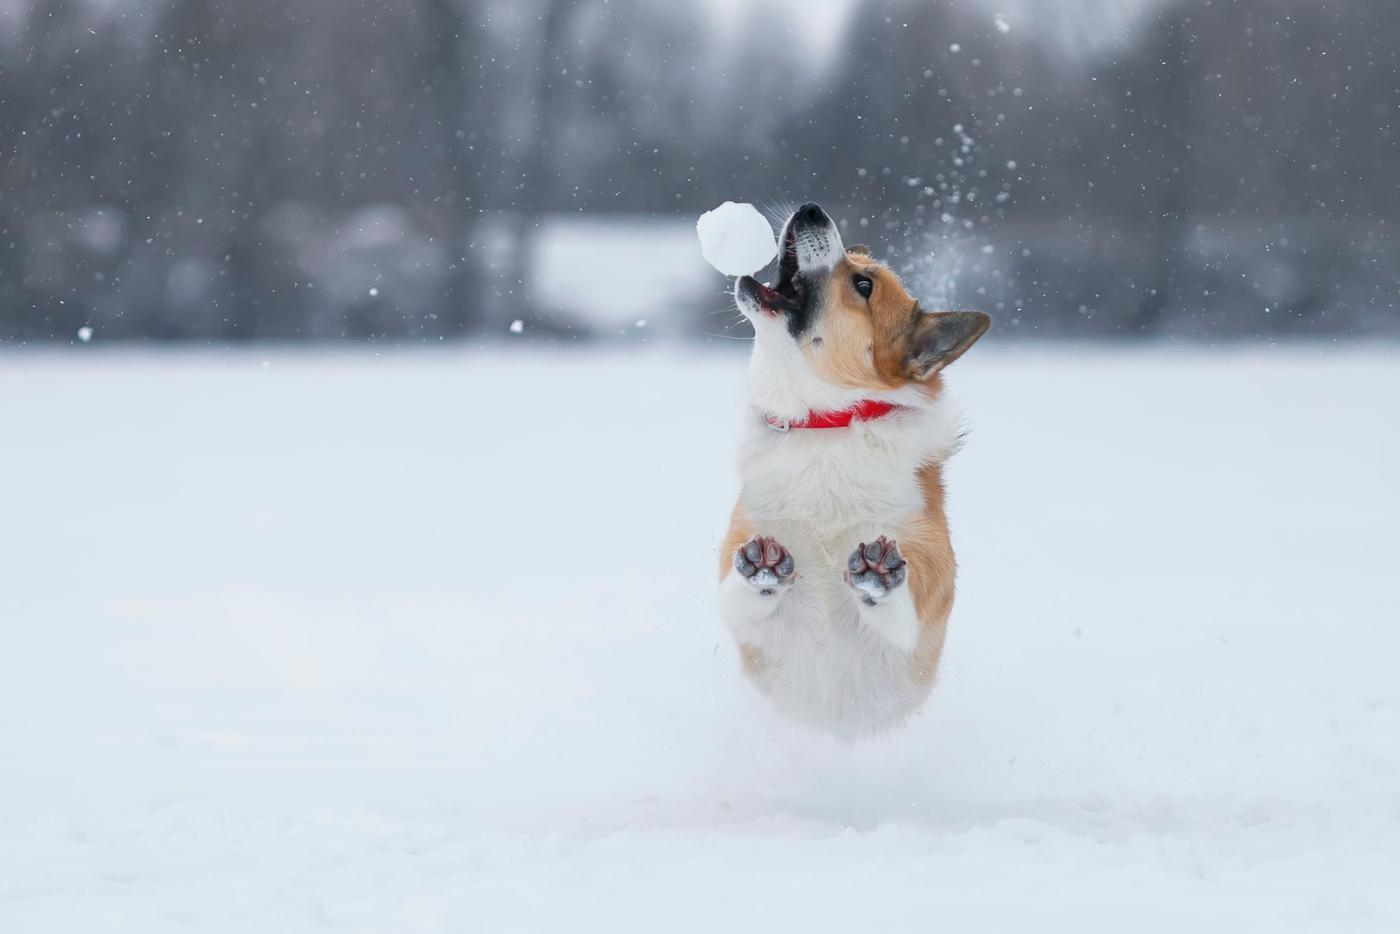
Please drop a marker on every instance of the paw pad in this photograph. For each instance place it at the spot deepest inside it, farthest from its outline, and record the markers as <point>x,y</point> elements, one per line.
<point>876,568</point>
<point>764,563</point>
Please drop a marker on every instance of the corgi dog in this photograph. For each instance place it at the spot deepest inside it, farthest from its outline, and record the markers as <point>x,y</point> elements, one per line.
<point>836,575</point>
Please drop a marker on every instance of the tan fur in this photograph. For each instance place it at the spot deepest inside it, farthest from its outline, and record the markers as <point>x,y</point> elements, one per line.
<point>862,343</point>
<point>923,540</point>
<point>740,531</point>
<point>883,343</point>
<point>867,343</point>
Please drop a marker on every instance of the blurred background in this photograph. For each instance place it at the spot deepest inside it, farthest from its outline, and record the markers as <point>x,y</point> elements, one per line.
<point>367,430</point>
<point>422,170</point>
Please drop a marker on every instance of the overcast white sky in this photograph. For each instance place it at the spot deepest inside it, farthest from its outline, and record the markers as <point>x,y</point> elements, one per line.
<point>1076,26</point>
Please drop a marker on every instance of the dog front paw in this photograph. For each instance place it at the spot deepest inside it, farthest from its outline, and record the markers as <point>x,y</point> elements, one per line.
<point>765,564</point>
<point>875,569</point>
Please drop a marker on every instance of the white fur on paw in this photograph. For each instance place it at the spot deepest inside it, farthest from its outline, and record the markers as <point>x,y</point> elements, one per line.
<point>870,586</point>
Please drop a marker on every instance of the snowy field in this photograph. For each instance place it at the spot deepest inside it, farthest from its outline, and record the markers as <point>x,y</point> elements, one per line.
<point>424,642</point>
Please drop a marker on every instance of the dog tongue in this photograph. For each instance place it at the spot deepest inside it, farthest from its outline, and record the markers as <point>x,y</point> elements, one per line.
<point>736,239</point>
<point>775,299</point>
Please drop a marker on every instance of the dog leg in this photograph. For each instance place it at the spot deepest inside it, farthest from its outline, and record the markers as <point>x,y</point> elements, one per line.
<point>878,573</point>
<point>762,574</point>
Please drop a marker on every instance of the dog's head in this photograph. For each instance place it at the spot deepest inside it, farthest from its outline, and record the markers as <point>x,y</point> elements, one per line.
<point>848,318</point>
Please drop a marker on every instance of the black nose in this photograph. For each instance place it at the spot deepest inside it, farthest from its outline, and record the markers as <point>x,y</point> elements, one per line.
<point>811,215</point>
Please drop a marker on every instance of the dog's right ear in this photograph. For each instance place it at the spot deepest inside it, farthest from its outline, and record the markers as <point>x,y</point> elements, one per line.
<point>941,337</point>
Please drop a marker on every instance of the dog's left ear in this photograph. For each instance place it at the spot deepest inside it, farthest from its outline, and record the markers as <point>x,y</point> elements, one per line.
<point>939,338</point>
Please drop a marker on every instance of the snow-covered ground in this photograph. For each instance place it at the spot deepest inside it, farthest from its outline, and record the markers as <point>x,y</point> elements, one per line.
<point>427,642</point>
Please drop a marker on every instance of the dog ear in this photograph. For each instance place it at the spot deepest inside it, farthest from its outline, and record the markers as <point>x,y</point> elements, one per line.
<point>860,248</point>
<point>939,338</point>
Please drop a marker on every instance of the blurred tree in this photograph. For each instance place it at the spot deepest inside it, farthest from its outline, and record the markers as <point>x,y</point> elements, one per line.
<point>358,168</point>
<point>1161,114</point>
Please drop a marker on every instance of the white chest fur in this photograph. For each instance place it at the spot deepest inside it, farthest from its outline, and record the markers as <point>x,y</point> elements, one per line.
<point>820,492</point>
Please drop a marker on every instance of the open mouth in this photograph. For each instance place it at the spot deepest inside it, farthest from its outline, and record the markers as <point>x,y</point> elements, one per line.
<point>787,292</point>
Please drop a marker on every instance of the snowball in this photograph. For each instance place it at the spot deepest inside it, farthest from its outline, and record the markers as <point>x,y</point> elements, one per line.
<point>517,326</point>
<point>736,239</point>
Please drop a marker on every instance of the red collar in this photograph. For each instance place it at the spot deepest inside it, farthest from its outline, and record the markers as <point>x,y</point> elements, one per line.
<point>863,411</point>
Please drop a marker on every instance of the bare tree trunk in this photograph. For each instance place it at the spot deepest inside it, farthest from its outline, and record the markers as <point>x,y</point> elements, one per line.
<point>451,95</point>
<point>510,295</point>
<point>1170,226</point>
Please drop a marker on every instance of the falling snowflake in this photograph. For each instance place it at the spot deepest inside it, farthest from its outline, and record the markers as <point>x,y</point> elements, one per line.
<point>85,334</point>
<point>517,326</point>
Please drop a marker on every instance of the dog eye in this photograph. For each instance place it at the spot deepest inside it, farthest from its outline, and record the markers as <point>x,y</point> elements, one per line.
<point>864,285</point>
